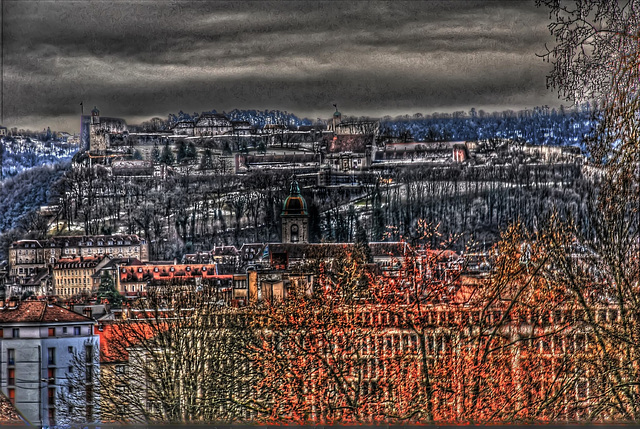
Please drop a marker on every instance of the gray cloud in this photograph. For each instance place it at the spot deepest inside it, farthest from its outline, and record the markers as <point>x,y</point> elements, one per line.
<point>140,59</point>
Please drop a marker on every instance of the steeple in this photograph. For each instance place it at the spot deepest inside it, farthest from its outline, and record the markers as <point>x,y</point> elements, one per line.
<point>295,216</point>
<point>337,118</point>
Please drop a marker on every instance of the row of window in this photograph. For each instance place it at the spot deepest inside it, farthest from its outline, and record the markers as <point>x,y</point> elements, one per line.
<point>27,252</point>
<point>451,318</point>
<point>72,281</point>
<point>67,272</point>
<point>15,332</point>
<point>73,291</point>
<point>76,331</point>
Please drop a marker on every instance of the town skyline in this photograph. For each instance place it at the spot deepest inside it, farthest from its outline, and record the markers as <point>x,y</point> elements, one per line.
<point>138,60</point>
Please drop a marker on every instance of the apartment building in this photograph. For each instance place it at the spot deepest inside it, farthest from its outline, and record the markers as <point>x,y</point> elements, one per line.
<point>76,275</point>
<point>26,256</point>
<point>48,362</point>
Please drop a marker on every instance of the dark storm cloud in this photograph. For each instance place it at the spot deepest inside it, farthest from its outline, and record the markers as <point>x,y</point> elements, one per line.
<point>139,59</point>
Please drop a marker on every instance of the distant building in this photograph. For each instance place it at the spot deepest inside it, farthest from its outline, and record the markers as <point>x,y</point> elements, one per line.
<point>40,283</point>
<point>101,130</point>
<point>39,343</point>
<point>350,144</point>
<point>73,276</point>
<point>212,124</point>
<point>26,256</point>
<point>184,128</point>
<point>134,280</point>
<point>242,128</point>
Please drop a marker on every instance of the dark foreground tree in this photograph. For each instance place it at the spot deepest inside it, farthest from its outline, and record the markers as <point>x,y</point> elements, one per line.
<point>595,58</point>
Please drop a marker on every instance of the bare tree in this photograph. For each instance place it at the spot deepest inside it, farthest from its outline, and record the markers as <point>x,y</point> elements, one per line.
<point>178,357</point>
<point>78,399</point>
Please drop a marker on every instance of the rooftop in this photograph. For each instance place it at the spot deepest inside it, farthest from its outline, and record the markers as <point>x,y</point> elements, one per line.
<point>38,312</point>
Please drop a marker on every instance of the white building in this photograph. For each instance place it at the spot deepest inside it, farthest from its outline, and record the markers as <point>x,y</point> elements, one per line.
<point>49,361</point>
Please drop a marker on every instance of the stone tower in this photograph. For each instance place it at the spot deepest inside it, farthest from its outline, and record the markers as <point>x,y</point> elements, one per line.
<point>98,137</point>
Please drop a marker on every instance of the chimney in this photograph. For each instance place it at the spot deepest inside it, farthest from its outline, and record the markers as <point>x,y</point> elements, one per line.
<point>87,311</point>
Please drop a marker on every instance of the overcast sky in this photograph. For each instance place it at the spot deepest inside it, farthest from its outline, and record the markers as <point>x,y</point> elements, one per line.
<point>140,59</point>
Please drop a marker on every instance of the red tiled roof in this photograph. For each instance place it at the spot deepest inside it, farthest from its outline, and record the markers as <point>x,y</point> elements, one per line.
<point>116,338</point>
<point>79,262</point>
<point>39,312</point>
<point>133,273</point>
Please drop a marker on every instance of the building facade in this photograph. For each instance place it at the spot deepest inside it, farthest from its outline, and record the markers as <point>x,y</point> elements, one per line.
<point>76,276</point>
<point>26,256</point>
<point>47,354</point>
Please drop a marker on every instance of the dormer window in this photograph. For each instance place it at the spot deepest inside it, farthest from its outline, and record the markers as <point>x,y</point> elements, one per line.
<point>100,243</point>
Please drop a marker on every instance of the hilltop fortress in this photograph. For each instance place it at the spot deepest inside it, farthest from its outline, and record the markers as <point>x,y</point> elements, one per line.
<point>334,151</point>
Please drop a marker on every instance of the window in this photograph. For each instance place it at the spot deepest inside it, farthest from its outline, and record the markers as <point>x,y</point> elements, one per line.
<point>64,330</point>
<point>120,369</point>
<point>51,356</point>
<point>52,396</point>
<point>12,395</point>
<point>11,376</point>
<point>70,349</point>
<point>52,332</point>
<point>76,330</point>
<point>11,357</point>
<point>1,333</point>
<point>51,376</point>
<point>15,332</point>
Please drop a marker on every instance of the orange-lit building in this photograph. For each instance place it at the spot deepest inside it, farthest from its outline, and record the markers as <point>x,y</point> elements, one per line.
<point>76,275</point>
<point>136,279</point>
